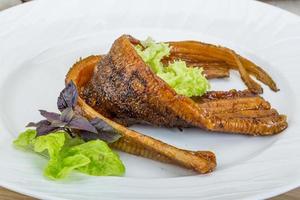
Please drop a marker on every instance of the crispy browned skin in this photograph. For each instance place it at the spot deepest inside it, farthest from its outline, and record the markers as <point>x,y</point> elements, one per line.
<point>199,52</point>
<point>215,95</point>
<point>235,104</point>
<point>251,84</point>
<point>124,87</point>
<point>234,107</point>
<point>134,142</point>
<point>215,72</point>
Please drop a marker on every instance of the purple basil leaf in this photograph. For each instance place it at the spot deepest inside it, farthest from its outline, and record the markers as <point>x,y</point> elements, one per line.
<point>105,131</point>
<point>50,116</point>
<point>44,130</point>
<point>43,127</point>
<point>105,136</point>
<point>67,115</point>
<point>67,97</point>
<point>40,123</point>
<point>101,125</point>
<point>87,136</point>
<point>58,123</point>
<point>81,123</point>
<point>109,137</point>
<point>32,124</point>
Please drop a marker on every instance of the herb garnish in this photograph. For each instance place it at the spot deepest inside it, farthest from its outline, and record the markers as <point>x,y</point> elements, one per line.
<point>71,122</point>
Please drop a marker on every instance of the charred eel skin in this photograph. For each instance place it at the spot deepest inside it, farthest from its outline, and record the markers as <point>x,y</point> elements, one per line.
<point>133,142</point>
<point>124,87</point>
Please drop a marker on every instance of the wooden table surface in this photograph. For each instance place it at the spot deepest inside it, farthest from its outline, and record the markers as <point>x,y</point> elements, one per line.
<point>290,5</point>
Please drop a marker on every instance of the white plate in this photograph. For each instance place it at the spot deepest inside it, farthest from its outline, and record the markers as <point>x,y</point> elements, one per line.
<point>40,40</point>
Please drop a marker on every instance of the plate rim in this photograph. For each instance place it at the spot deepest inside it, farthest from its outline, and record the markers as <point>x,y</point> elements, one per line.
<point>41,195</point>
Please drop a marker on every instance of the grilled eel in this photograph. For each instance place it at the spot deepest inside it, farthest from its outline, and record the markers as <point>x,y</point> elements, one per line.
<point>131,141</point>
<point>119,87</point>
<point>123,88</point>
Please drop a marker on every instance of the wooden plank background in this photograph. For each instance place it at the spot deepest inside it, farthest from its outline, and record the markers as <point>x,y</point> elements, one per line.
<point>290,5</point>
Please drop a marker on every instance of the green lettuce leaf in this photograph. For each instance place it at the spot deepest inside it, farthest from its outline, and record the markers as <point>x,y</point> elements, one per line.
<point>188,81</point>
<point>66,154</point>
<point>184,80</point>
<point>51,143</point>
<point>25,139</point>
<point>60,163</point>
<point>153,53</point>
<point>103,161</point>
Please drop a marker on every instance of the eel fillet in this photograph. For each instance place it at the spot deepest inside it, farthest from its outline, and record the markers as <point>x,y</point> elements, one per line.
<point>124,88</point>
<point>133,142</point>
<point>198,52</point>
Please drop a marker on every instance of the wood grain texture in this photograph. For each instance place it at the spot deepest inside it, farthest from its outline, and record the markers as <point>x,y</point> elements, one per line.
<point>10,195</point>
<point>292,195</point>
<point>290,5</point>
